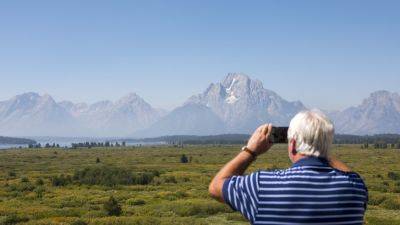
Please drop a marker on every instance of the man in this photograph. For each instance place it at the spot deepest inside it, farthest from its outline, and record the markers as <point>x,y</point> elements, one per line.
<point>317,189</point>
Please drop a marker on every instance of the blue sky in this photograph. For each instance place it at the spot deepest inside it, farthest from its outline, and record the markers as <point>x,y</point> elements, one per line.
<point>328,54</point>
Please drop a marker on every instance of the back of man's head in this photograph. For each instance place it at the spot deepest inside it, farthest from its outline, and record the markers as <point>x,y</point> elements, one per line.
<point>313,133</point>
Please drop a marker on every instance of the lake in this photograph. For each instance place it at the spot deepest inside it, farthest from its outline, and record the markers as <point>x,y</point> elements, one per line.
<point>67,142</point>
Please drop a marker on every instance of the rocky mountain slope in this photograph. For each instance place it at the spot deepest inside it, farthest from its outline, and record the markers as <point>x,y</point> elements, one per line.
<point>235,105</point>
<point>377,114</point>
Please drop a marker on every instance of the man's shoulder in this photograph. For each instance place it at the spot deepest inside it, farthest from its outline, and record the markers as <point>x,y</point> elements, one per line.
<point>355,178</point>
<point>304,172</point>
<point>289,171</point>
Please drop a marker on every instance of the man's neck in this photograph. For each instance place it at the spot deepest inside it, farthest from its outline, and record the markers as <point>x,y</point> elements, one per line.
<point>332,162</point>
<point>298,157</point>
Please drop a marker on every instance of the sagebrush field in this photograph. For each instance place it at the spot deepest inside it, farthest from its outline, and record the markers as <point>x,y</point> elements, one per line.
<point>151,185</point>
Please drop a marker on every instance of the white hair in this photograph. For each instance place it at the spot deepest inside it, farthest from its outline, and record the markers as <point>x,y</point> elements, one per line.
<point>313,132</point>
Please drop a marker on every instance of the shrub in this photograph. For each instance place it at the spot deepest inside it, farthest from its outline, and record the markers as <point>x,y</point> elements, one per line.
<point>156,173</point>
<point>393,175</point>
<point>381,221</point>
<point>235,217</point>
<point>396,189</point>
<point>39,191</point>
<point>12,174</point>
<point>391,203</point>
<point>111,176</point>
<point>133,201</point>
<point>195,208</point>
<point>139,202</point>
<point>143,178</point>
<point>376,199</point>
<point>112,207</point>
<point>39,182</point>
<point>172,196</point>
<point>103,175</point>
<point>170,179</point>
<point>79,222</point>
<point>23,186</point>
<point>378,187</point>
<point>13,219</point>
<point>184,159</point>
<point>181,194</point>
<point>97,160</point>
<point>61,180</point>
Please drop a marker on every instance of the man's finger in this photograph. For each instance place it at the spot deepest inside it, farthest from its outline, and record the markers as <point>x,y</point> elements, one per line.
<point>260,129</point>
<point>269,130</point>
<point>264,129</point>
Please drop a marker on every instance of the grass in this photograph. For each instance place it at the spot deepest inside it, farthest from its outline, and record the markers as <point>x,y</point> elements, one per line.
<point>176,192</point>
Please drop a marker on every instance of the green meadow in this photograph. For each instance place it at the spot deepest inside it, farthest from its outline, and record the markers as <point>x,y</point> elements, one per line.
<point>151,185</point>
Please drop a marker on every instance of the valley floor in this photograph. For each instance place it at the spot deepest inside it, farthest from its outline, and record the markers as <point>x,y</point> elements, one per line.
<point>33,192</point>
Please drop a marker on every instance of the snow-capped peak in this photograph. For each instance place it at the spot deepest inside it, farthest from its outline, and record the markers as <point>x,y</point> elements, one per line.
<point>243,103</point>
<point>228,90</point>
<point>231,99</point>
<point>231,96</point>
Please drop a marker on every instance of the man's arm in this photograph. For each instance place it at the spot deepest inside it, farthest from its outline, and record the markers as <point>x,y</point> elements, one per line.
<point>258,144</point>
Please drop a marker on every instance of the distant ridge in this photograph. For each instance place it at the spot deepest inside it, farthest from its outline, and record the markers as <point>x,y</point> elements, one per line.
<point>16,141</point>
<point>31,114</point>
<point>377,114</point>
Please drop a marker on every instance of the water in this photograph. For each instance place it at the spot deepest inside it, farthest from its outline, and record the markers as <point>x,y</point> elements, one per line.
<point>67,142</point>
<point>8,146</point>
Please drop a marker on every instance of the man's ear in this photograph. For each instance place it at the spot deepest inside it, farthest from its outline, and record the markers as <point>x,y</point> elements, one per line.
<point>293,146</point>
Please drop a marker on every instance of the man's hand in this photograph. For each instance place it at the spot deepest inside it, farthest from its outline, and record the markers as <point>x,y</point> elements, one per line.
<point>259,142</point>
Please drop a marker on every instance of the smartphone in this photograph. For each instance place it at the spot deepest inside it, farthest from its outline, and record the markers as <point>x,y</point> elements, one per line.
<point>279,135</point>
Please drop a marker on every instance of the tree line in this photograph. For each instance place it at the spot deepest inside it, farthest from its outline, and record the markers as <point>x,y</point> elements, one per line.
<point>80,145</point>
<point>377,141</point>
<point>179,140</point>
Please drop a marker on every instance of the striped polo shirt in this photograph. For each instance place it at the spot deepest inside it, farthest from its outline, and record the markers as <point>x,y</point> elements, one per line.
<point>310,192</point>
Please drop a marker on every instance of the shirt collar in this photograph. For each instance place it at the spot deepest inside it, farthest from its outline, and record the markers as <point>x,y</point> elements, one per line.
<point>311,161</point>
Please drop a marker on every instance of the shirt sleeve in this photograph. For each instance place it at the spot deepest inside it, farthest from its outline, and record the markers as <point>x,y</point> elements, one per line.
<point>365,188</point>
<point>366,199</point>
<point>241,194</point>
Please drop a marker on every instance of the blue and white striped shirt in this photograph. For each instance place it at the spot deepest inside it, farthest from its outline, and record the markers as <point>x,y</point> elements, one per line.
<point>310,192</point>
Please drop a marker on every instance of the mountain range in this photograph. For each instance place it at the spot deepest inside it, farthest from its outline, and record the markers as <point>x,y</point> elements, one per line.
<point>237,104</point>
<point>30,114</point>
